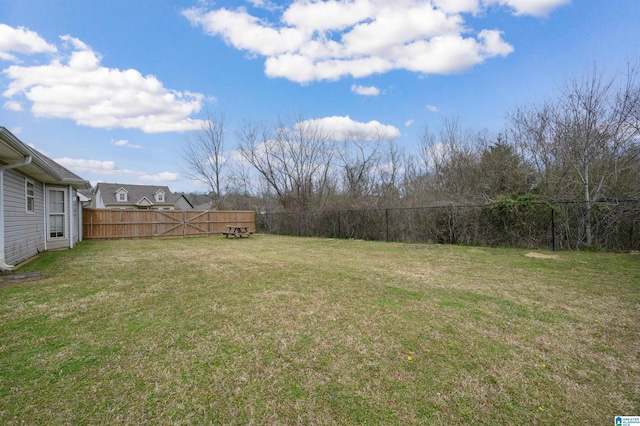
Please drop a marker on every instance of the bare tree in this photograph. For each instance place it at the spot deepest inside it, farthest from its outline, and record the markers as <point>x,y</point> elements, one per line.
<point>293,159</point>
<point>389,171</point>
<point>204,158</point>
<point>450,162</point>
<point>532,131</point>
<point>585,140</point>
<point>358,161</point>
<point>595,131</point>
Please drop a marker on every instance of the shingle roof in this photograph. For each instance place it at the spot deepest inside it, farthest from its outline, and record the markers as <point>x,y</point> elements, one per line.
<point>135,193</point>
<point>64,173</point>
<point>41,167</point>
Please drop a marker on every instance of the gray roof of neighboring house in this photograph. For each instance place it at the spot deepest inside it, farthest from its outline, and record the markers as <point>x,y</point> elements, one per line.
<point>41,167</point>
<point>135,193</point>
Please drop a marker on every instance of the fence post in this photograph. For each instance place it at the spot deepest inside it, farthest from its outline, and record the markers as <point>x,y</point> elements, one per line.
<point>553,229</point>
<point>386,222</point>
<point>452,230</point>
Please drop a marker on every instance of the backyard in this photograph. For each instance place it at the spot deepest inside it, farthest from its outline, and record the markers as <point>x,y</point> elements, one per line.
<point>287,330</point>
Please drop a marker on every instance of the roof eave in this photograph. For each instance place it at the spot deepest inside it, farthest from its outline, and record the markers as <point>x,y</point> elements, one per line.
<point>51,176</point>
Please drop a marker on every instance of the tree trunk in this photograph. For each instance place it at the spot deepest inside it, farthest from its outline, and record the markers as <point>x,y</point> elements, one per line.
<point>587,213</point>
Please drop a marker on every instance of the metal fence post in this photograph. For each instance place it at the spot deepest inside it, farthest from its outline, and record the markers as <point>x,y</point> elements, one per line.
<point>553,229</point>
<point>386,221</point>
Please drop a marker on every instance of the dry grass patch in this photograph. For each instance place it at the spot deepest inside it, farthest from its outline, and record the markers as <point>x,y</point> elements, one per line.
<point>542,256</point>
<point>278,330</point>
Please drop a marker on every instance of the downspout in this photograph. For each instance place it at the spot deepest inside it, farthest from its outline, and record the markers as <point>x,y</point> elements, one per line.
<point>80,229</point>
<point>70,216</point>
<point>24,162</point>
<point>44,215</point>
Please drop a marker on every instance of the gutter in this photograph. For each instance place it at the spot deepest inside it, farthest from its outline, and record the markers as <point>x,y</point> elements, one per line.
<point>24,162</point>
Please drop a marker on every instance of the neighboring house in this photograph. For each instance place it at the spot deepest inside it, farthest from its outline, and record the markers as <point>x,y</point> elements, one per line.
<point>39,205</point>
<point>85,196</point>
<point>147,197</point>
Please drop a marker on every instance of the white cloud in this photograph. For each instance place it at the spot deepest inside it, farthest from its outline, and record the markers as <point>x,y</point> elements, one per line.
<point>458,6</point>
<point>530,7</point>
<point>344,128</point>
<point>267,5</point>
<point>21,40</point>
<point>97,167</point>
<point>365,90</point>
<point>432,108</point>
<point>79,88</point>
<point>327,15</point>
<point>126,143</point>
<point>160,177</point>
<point>109,168</point>
<point>247,32</point>
<point>13,106</point>
<point>328,40</point>
<point>409,123</point>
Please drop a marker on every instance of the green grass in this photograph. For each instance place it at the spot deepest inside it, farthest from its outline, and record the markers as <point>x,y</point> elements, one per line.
<point>280,330</point>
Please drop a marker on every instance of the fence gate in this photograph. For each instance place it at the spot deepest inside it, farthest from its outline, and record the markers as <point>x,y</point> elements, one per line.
<point>115,223</point>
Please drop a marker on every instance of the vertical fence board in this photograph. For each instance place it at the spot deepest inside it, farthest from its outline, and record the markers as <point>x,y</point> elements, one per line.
<point>111,223</point>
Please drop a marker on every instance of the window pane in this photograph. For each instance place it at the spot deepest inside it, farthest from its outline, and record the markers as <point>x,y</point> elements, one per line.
<point>56,214</point>
<point>30,197</point>
<point>56,226</point>
<point>56,202</point>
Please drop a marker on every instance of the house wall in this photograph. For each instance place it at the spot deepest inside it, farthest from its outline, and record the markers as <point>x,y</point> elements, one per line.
<point>24,232</point>
<point>96,202</point>
<point>182,204</point>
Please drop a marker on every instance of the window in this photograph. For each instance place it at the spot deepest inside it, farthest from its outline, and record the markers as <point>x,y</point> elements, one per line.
<point>160,196</point>
<point>56,214</point>
<point>30,197</point>
<point>121,195</point>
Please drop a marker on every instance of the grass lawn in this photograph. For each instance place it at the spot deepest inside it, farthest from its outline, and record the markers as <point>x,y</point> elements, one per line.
<point>282,330</point>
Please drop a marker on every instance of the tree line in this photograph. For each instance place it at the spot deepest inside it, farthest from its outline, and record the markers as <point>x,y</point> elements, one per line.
<point>582,145</point>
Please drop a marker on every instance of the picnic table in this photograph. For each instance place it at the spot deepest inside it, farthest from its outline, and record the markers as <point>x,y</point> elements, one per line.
<point>236,231</point>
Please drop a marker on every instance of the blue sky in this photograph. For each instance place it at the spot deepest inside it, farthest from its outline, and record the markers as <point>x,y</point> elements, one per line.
<point>110,89</point>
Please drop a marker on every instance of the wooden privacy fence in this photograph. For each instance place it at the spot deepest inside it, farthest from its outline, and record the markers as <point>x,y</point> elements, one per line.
<point>115,223</point>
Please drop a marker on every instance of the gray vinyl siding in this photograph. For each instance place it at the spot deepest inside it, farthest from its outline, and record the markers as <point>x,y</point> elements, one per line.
<point>97,202</point>
<point>182,204</point>
<point>24,232</point>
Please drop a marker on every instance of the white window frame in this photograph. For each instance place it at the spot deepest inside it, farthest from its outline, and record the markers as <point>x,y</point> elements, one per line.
<point>122,193</point>
<point>51,214</point>
<point>160,196</point>
<point>29,197</point>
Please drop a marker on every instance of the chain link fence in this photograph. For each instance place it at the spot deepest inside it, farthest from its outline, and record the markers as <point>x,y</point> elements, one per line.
<point>560,225</point>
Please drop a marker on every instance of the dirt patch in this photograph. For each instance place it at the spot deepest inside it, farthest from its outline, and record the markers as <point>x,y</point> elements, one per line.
<point>542,256</point>
<point>30,278</point>
<point>475,250</point>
